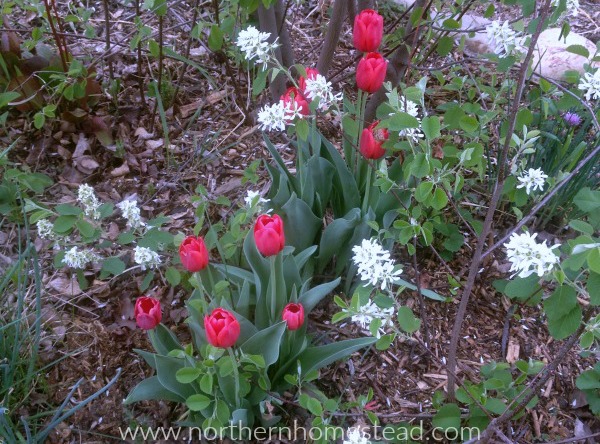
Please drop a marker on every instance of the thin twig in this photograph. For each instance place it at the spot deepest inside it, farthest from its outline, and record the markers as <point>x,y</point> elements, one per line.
<point>489,218</point>
<point>107,37</point>
<point>423,311</point>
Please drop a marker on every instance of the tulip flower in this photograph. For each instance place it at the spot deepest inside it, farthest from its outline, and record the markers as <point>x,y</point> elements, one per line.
<point>293,315</point>
<point>222,328</point>
<point>294,99</point>
<point>311,74</point>
<point>368,30</point>
<point>370,72</point>
<point>147,312</point>
<point>268,235</point>
<point>193,253</point>
<point>371,140</point>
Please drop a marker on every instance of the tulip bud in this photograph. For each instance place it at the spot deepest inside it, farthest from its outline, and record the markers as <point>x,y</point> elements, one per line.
<point>147,312</point>
<point>222,328</point>
<point>370,72</point>
<point>193,254</point>
<point>294,99</point>
<point>311,74</point>
<point>371,140</point>
<point>293,315</point>
<point>368,31</point>
<point>268,235</point>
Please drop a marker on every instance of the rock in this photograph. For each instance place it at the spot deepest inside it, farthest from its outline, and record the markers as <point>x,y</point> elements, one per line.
<point>551,58</point>
<point>478,42</point>
<point>405,3</point>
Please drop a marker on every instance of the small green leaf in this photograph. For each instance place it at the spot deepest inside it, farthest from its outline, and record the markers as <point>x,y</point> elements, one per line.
<point>563,311</point>
<point>173,276</point>
<point>186,375</point>
<point>407,320</point>
<point>113,265</point>
<point>579,50</point>
<point>469,124</point>
<point>444,46</point>
<point>63,224</point>
<point>197,402</point>
<point>593,287</point>
<point>431,127</point>
<point>68,210</point>
<point>215,39</point>
<point>447,417</point>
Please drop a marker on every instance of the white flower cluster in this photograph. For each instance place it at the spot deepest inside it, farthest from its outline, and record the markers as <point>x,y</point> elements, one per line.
<point>371,311</point>
<point>87,197</point>
<point>255,45</point>
<point>320,89</point>
<point>505,40</point>
<point>354,435</point>
<point>572,6</point>
<point>374,264</point>
<point>146,257</point>
<point>131,212</point>
<point>528,257</point>
<point>590,83</point>
<point>410,107</point>
<point>278,115</point>
<point>44,229</point>
<point>532,179</point>
<point>76,258</point>
<point>255,201</point>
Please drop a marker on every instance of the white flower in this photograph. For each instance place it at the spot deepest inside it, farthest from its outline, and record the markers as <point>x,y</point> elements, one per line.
<point>374,264</point>
<point>44,229</point>
<point>146,257</point>
<point>412,134</point>
<point>409,107</point>
<point>590,83</point>
<point>572,6</point>
<point>76,258</point>
<point>254,200</point>
<point>255,45</point>
<point>131,212</point>
<point>370,312</point>
<point>273,117</point>
<point>504,39</point>
<point>532,179</point>
<point>528,257</point>
<point>320,89</point>
<point>87,198</point>
<point>354,435</point>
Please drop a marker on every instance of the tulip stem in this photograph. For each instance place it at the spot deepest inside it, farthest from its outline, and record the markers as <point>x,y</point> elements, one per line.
<point>361,103</point>
<point>236,376</point>
<point>273,281</point>
<point>365,206</point>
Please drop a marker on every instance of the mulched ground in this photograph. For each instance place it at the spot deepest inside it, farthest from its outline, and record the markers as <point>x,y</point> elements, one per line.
<point>94,332</point>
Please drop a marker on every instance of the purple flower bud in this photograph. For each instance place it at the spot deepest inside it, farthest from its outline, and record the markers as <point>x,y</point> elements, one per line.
<point>572,119</point>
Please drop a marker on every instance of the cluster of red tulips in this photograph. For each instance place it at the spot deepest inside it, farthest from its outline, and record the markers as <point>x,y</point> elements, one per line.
<point>367,36</point>
<point>222,328</point>
<point>370,74</point>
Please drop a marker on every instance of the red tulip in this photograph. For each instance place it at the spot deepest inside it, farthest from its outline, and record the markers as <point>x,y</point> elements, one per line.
<point>147,312</point>
<point>368,31</point>
<point>222,328</point>
<point>371,140</point>
<point>370,72</point>
<point>293,314</point>
<point>268,235</point>
<point>311,74</point>
<point>293,95</point>
<point>193,253</point>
